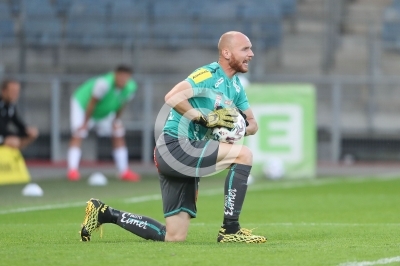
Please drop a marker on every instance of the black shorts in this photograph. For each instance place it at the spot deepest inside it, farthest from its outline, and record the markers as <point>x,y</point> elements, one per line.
<point>180,163</point>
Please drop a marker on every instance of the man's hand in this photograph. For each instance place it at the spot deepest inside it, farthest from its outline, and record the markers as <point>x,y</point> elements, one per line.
<point>32,132</point>
<point>81,132</point>
<point>118,128</point>
<point>221,117</point>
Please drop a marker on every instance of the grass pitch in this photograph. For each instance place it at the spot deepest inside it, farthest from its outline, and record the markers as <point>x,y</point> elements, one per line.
<point>327,221</point>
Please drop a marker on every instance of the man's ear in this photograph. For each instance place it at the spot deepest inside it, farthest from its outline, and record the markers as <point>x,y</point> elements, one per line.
<point>226,53</point>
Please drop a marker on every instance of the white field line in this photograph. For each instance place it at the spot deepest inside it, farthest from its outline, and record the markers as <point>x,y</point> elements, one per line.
<point>258,187</point>
<point>209,192</point>
<point>256,225</point>
<point>44,207</point>
<point>309,224</point>
<point>369,263</point>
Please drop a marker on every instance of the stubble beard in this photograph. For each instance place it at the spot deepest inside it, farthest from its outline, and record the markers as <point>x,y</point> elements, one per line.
<point>236,65</point>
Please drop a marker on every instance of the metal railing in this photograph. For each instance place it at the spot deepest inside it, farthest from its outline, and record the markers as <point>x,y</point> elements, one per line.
<point>345,105</point>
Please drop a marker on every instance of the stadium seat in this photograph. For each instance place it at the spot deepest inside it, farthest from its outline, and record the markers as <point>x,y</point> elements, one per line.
<point>391,27</point>
<point>4,9</point>
<point>289,7</point>
<point>171,33</point>
<point>138,10</point>
<point>88,8</point>
<point>6,30</point>
<point>174,23</point>
<point>38,8</point>
<point>264,23</point>
<point>41,24</point>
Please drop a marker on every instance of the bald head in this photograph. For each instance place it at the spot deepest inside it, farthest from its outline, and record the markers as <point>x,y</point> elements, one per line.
<point>234,52</point>
<point>229,39</point>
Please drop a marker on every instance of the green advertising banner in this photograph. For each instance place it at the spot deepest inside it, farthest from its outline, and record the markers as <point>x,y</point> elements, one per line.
<point>285,144</point>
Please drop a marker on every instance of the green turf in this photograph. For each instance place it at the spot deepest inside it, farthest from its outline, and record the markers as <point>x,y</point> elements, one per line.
<point>322,222</point>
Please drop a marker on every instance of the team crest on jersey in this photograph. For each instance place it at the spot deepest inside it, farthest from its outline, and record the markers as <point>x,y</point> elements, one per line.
<point>200,75</point>
<point>219,82</point>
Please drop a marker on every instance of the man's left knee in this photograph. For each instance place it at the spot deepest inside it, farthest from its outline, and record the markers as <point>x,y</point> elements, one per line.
<point>177,227</point>
<point>174,235</point>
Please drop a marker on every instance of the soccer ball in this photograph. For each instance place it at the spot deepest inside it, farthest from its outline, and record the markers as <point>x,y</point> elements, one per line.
<point>223,134</point>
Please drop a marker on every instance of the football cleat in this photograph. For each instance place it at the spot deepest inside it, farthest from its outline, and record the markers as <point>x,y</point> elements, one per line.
<point>131,176</point>
<point>241,236</point>
<point>91,222</point>
<point>73,175</point>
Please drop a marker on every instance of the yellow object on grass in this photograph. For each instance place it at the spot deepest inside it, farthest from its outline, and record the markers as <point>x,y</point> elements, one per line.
<point>12,167</point>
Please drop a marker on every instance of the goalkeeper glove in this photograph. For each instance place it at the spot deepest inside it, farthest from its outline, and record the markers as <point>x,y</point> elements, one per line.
<point>224,117</point>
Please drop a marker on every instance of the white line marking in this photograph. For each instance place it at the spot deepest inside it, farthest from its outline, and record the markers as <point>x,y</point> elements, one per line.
<point>309,224</point>
<point>44,207</point>
<point>220,191</point>
<point>369,263</point>
<point>209,192</point>
<point>143,198</point>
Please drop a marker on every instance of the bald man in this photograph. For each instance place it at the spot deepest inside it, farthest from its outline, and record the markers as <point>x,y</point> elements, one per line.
<point>211,96</point>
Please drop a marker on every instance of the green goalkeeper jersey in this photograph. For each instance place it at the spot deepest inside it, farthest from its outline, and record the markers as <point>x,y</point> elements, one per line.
<point>110,98</point>
<point>211,88</point>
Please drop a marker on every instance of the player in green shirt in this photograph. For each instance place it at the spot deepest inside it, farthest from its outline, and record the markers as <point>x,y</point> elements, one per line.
<point>211,96</point>
<point>99,102</point>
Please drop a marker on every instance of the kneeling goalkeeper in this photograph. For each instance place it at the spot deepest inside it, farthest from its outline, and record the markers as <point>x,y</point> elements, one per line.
<point>209,97</point>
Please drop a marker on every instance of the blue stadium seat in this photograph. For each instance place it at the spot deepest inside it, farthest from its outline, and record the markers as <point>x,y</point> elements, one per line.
<point>79,29</point>
<point>6,30</point>
<point>171,33</point>
<point>87,8</point>
<point>210,31</point>
<point>173,23</point>
<point>289,7</point>
<point>391,27</point>
<point>396,4</point>
<point>130,9</point>
<point>220,10</point>
<point>42,31</point>
<point>4,9</point>
<point>41,24</point>
<point>126,30</point>
<point>35,8</point>
<point>264,22</point>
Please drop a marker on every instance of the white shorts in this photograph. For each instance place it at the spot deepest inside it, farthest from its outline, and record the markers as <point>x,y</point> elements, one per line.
<point>104,127</point>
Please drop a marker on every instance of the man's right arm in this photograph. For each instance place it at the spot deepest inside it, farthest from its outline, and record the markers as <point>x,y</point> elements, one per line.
<point>178,97</point>
<point>99,90</point>
<point>89,110</point>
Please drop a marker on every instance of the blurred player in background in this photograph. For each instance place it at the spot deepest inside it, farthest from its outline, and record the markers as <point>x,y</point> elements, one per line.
<point>100,102</point>
<point>206,99</point>
<point>13,131</point>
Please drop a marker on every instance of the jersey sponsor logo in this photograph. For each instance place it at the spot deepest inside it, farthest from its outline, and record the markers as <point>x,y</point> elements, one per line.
<point>133,219</point>
<point>230,202</point>
<point>171,116</point>
<point>104,208</point>
<point>237,87</point>
<point>219,82</point>
<point>228,102</point>
<point>217,102</point>
<point>200,75</point>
